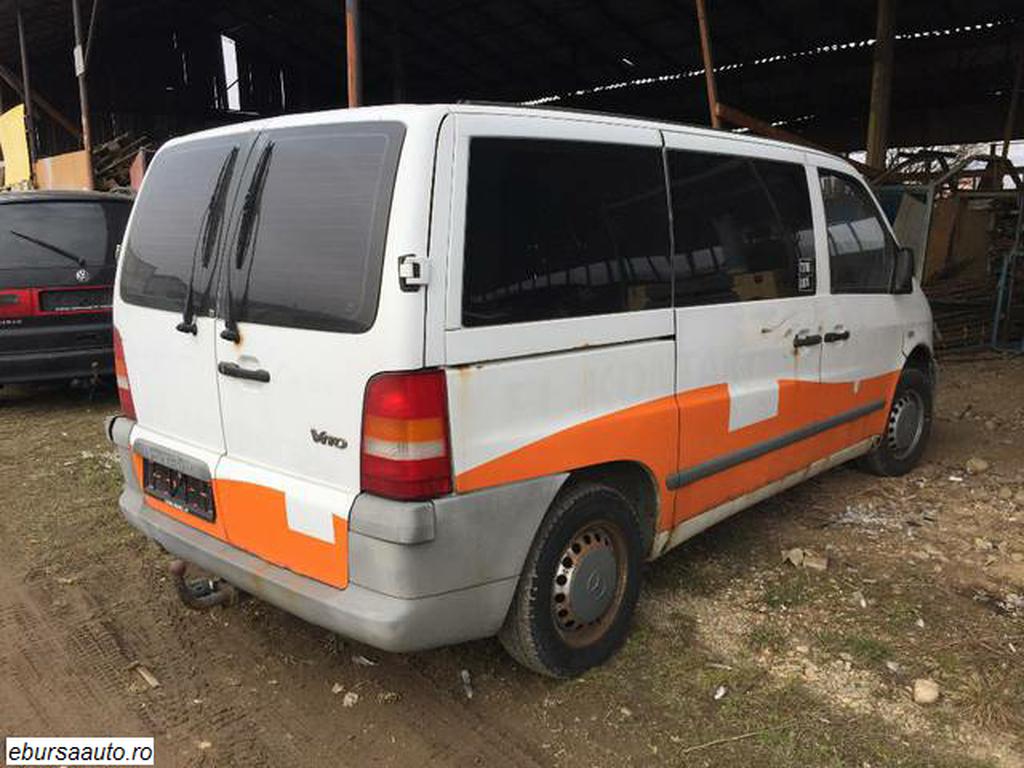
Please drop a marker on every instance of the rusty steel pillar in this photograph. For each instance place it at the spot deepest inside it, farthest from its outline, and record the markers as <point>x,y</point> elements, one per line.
<point>709,66</point>
<point>352,54</point>
<point>881,87</point>
<point>30,129</point>
<point>1011,114</point>
<point>83,92</point>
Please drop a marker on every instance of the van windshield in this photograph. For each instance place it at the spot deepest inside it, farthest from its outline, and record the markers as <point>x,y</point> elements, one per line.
<point>314,253</point>
<point>48,235</point>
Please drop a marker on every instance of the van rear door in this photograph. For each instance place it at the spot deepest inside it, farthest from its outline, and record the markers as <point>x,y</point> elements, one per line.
<point>170,260</point>
<point>309,314</point>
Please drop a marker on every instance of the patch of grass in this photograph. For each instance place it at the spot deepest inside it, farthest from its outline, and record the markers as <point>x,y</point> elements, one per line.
<point>791,590</point>
<point>863,648</point>
<point>766,636</point>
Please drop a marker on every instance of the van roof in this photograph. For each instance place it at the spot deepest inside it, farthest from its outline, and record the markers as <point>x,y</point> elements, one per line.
<point>62,196</point>
<point>438,111</point>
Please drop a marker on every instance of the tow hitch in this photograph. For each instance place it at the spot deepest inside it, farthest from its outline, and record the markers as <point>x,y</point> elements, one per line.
<point>201,594</point>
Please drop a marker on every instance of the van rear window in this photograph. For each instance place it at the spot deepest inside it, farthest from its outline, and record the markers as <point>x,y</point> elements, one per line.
<point>47,235</point>
<point>317,241</point>
<point>169,214</point>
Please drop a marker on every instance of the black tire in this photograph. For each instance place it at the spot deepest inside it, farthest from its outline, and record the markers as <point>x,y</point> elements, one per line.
<point>904,441</point>
<point>541,630</point>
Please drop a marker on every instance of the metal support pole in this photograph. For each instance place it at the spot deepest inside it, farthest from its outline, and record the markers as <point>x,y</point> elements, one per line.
<point>353,57</point>
<point>709,67</point>
<point>30,130</point>
<point>881,87</point>
<point>83,93</point>
<point>1011,115</point>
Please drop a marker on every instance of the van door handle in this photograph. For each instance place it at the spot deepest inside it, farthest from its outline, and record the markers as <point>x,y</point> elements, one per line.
<point>807,341</point>
<point>235,371</point>
<point>836,336</point>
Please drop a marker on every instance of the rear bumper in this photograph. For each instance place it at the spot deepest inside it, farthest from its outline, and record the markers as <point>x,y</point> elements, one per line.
<point>421,575</point>
<point>60,364</point>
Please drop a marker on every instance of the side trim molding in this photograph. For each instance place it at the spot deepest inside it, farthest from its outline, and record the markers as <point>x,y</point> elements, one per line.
<point>730,460</point>
<point>687,529</point>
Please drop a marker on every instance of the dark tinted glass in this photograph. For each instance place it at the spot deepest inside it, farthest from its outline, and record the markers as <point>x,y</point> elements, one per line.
<point>563,229</point>
<point>48,235</point>
<point>861,254</point>
<point>742,229</point>
<point>165,234</point>
<point>318,241</point>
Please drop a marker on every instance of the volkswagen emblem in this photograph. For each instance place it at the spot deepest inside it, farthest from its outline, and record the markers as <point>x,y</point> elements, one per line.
<point>82,275</point>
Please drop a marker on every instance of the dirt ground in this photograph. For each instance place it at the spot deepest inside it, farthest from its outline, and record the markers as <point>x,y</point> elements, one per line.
<point>737,657</point>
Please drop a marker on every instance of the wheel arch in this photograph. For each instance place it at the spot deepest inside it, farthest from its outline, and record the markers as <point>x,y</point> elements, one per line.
<point>632,479</point>
<point>922,358</point>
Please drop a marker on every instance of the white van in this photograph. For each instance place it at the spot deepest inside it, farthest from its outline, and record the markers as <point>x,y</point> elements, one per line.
<point>422,374</point>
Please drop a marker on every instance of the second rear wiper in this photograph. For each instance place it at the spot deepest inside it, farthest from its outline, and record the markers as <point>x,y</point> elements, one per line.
<point>51,247</point>
<point>204,245</point>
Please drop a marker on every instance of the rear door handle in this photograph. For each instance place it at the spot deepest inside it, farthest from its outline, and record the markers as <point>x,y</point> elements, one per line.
<point>833,336</point>
<point>810,340</point>
<point>235,371</point>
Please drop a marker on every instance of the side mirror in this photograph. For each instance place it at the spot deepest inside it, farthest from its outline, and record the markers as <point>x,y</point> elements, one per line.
<point>903,278</point>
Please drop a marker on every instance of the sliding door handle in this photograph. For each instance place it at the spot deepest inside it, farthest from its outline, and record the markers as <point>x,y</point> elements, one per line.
<point>833,336</point>
<point>810,340</point>
<point>235,371</point>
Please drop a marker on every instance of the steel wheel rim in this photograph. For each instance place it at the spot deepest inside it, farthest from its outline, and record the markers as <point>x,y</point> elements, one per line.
<point>589,583</point>
<point>906,424</point>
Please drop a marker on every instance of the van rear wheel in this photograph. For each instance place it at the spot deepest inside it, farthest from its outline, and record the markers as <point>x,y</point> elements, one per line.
<point>907,428</point>
<point>578,590</point>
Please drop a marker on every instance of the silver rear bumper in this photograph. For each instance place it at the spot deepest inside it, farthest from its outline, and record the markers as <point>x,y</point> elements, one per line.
<point>417,579</point>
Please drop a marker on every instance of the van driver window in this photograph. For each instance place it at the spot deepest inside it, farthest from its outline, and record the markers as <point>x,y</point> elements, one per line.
<point>861,253</point>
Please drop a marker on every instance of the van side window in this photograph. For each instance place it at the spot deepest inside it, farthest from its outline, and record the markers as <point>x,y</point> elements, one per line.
<point>742,229</point>
<point>317,244</point>
<point>861,253</point>
<point>563,229</point>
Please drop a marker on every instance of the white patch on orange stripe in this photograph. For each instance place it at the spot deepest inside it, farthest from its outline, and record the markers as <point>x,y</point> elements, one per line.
<point>307,516</point>
<point>752,402</point>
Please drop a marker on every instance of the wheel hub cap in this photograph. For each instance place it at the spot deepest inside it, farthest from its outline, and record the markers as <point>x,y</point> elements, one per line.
<point>906,423</point>
<point>586,581</point>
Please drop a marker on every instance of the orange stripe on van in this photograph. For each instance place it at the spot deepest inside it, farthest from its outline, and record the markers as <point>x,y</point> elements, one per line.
<point>704,414</point>
<point>404,430</point>
<point>645,433</point>
<point>255,519</point>
<point>648,433</point>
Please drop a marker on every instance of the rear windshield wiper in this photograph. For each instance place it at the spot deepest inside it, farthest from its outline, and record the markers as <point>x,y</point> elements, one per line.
<point>204,245</point>
<point>51,247</point>
<point>245,232</point>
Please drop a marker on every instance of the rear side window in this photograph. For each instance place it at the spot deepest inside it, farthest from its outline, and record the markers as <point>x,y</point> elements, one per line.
<point>861,253</point>
<point>560,229</point>
<point>47,235</point>
<point>169,214</point>
<point>742,229</point>
<point>317,243</point>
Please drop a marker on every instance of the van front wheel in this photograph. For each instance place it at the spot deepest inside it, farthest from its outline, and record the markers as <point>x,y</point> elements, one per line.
<point>578,590</point>
<point>907,428</point>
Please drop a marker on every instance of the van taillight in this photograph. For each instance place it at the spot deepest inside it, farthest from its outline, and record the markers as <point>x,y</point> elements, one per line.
<point>405,447</point>
<point>124,387</point>
<point>16,303</point>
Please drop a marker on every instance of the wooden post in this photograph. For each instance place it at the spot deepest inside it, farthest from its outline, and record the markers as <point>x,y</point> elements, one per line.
<point>709,66</point>
<point>352,53</point>
<point>1011,115</point>
<point>881,87</point>
<point>30,130</point>
<point>83,93</point>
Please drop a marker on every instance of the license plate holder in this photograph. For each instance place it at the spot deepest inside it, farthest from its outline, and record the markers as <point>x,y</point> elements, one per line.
<point>178,489</point>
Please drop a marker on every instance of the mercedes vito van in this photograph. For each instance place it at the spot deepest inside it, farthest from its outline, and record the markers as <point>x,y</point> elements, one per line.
<point>422,374</point>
